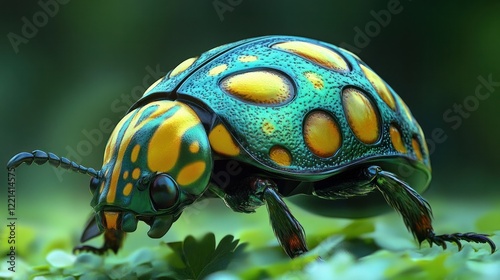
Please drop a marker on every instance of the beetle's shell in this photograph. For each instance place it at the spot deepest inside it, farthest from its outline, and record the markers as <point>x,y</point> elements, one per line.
<point>307,90</point>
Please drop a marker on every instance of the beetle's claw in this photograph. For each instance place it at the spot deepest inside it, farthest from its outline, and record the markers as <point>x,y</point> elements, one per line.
<point>441,240</point>
<point>438,241</point>
<point>91,249</point>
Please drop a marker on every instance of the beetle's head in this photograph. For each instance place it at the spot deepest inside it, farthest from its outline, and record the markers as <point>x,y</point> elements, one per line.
<point>157,161</point>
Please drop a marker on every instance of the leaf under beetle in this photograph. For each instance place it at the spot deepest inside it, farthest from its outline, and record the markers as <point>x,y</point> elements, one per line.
<point>199,258</point>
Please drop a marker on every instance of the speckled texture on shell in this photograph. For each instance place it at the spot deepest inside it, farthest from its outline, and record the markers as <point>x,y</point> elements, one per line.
<point>245,120</point>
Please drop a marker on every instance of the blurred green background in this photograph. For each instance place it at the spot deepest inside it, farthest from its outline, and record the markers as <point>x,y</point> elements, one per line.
<point>84,60</point>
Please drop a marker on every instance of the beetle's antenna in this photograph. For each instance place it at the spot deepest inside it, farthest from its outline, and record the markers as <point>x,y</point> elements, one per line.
<point>41,157</point>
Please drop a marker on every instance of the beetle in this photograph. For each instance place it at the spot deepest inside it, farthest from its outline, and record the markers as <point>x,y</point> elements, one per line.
<point>252,122</point>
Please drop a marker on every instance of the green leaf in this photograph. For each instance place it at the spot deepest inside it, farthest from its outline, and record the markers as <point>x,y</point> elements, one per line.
<point>141,256</point>
<point>59,258</point>
<point>197,254</point>
<point>486,222</point>
<point>222,255</point>
<point>176,260</point>
<point>358,228</point>
<point>89,261</point>
<point>94,276</point>
<point>144,271</point>
<point>201,257</point>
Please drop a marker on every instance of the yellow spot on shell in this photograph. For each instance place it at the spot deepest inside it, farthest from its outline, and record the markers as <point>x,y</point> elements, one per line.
<point>183,66</point>
<point>135,153</point>
<point>268,127</point>
<point>136,173</point>
<point>127,189</point>
<point>102,187</point>
<point>125,175</point>
<point>361,116</point>
<point>351,53</point>
<point>422,136</point>
<point>194,147</point>
<point>247,58</point>
<point>217,70</point>
<point>315,79</point>
<point>280,155</point>
<point>190,173</point>
<point>222,142</point>
<point>380,86</point>
<point>216,49</point>
<point>260,87</point>
<point>111,219</point>
<point>322,134</point>
<point>416,147</point>
<point>152,86</point>
<point>396,139</point>
<point>315,53</point>
<point>406,110</point>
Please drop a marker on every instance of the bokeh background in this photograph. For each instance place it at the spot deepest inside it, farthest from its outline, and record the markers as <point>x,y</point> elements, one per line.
<point>84,62</point>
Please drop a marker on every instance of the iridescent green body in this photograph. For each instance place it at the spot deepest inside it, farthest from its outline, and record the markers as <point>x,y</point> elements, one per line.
<point>252,122</point>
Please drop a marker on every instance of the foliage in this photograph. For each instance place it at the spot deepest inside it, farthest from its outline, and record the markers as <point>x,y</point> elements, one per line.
<point>375,248</point>
<point>190,259</point>
<point>196,259</point>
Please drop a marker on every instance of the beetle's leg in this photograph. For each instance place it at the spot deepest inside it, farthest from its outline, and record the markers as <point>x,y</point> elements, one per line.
<point>91,229</point>
<point>288,230</point>
<point>254,192</point>
<point>357,183</point>
<point>240,197</point>
<point>417,213</point>
<point>113,239</point>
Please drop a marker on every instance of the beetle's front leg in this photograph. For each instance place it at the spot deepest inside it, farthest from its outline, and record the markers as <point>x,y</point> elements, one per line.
<point>254,192</point>
<point>113,239</point>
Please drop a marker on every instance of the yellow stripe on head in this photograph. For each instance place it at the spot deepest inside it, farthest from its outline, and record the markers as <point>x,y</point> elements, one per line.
<point>135,125</point>
<point>163,157</point>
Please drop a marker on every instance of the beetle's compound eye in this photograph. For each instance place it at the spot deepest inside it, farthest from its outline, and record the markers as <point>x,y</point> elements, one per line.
<point>94,184</point>
<point>163,191</point>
